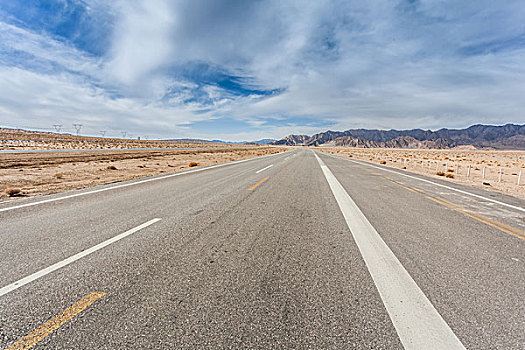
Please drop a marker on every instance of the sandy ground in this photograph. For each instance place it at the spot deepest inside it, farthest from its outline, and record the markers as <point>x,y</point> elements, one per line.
<point>454,163</point>
<point>15,139</point>
<point>52,172</point>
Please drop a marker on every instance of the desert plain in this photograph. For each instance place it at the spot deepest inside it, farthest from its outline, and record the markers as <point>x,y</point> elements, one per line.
<point>33,163</point>
<point>494,170</point>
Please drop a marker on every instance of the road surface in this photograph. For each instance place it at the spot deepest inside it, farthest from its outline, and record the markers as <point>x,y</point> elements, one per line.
<point>300,250</point>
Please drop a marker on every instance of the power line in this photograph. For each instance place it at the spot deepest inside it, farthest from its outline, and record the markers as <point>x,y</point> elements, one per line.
<point>77,128</point>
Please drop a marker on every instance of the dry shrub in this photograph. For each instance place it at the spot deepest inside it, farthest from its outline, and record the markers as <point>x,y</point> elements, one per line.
<point>404,167</point>
<point>59,175</point>
<point>12,192</point>
<point>382,162</point>
<point>111,167</point>
<point>192,164</point>
<point>440,173</point>
<point>349,156</point>
<point>450,176</point>
<point>450,170</point>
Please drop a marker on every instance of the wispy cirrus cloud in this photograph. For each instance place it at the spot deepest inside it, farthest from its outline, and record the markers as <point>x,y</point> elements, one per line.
<point>250,69</point>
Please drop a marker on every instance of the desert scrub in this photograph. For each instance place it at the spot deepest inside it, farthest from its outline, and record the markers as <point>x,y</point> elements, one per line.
<point>111,167</point>
<point>12,192</point>
<point>450,176</point>
<point>440,173</point>
<point>192,164</point>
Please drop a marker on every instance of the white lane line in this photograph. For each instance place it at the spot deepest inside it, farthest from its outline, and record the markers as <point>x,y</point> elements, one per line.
<point>263,169</point>
<point>435,183</point>
<point>15,285</point>
<point>134,183</point>
<point>417,322</point>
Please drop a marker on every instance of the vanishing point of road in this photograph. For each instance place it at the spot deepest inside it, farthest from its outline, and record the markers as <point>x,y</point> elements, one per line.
<point>298,250</point>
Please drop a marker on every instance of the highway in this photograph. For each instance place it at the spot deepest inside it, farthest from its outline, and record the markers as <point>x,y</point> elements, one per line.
<point>299,250</point>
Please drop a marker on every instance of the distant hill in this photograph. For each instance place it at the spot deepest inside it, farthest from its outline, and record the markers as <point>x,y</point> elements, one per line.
<point>262,142</point>
<point>509,136</point>
<point>192,141</point>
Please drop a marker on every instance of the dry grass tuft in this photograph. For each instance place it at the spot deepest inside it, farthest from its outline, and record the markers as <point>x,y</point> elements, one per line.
<point>13,192</point>
<point>382,162</point>
<point>450,170</point>
<point>440,173</point>
<point>111,167</point>
<point>59,175</point>
<point>450,176</point>
<point>192,164</point>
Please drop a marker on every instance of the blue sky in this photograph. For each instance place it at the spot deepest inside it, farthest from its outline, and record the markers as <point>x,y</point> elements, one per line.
<point>244,70</point>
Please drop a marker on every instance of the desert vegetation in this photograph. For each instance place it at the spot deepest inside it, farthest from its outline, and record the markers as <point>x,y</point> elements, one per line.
<point>30,174</point>
<point>17,139</point>
<point>488,169</point>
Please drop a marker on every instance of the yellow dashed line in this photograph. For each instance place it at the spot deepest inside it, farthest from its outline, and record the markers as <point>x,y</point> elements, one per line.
<point>488,221</point>
<point>56,322</point>
<point>258,183</point>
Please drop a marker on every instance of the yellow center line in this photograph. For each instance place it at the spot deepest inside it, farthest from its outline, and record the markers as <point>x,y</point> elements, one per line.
<point>258,183</point>
<point>56,322</point>
<point>488,221</point>
<point>396,182</point>
<point>412,189</point>
<point>282,166</point>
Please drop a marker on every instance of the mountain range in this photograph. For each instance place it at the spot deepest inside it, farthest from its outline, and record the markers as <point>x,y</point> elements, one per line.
<point>262,142</point>
<point>509,136</point>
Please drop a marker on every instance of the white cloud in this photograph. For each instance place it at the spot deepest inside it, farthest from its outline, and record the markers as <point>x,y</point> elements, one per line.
<point>348,64</point>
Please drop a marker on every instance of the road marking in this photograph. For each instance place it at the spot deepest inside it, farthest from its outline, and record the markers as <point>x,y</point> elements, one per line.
<point>15,285</point>
<point>488,221</point>
<point>136,182</point>
<point>435,183</point>
<point>258,183</point>
<point>282,166</point>
<point>412,189</point>
<point>263,169</point>
<point>55,323</point>
<point>417,322</point>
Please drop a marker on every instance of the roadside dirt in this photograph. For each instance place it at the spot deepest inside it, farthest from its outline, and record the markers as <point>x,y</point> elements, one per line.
<point>452,162</point>
<point>51,172</point>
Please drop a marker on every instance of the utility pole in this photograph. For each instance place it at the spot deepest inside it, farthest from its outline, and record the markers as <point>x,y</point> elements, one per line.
<point>57,127</point>
<point>103,133</point>
<point>77,128</point>
<point>124,133</point>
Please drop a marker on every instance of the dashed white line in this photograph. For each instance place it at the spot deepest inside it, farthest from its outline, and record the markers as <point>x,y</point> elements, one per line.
<point>15,285</point>
<point>417,322</point>
<point>133,183</point>
<point>263,169</point>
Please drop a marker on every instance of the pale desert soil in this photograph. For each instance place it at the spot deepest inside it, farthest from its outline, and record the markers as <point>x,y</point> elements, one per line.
<point>453,162</point>
<point>15,139</point>
<point>52,172</point>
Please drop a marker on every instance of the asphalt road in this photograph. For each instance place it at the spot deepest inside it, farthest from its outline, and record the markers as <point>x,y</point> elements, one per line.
<point>299,250</point>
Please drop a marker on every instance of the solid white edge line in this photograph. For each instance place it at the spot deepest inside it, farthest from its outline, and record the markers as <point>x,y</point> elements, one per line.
<point>135,183</point>
<point>431,182</point>
<point>417,322</point>
<point>15,285</point>
<point>263,169</point>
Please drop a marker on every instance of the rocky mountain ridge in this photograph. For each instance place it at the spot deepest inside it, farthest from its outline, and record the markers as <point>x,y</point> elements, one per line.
<point>509,136</point>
